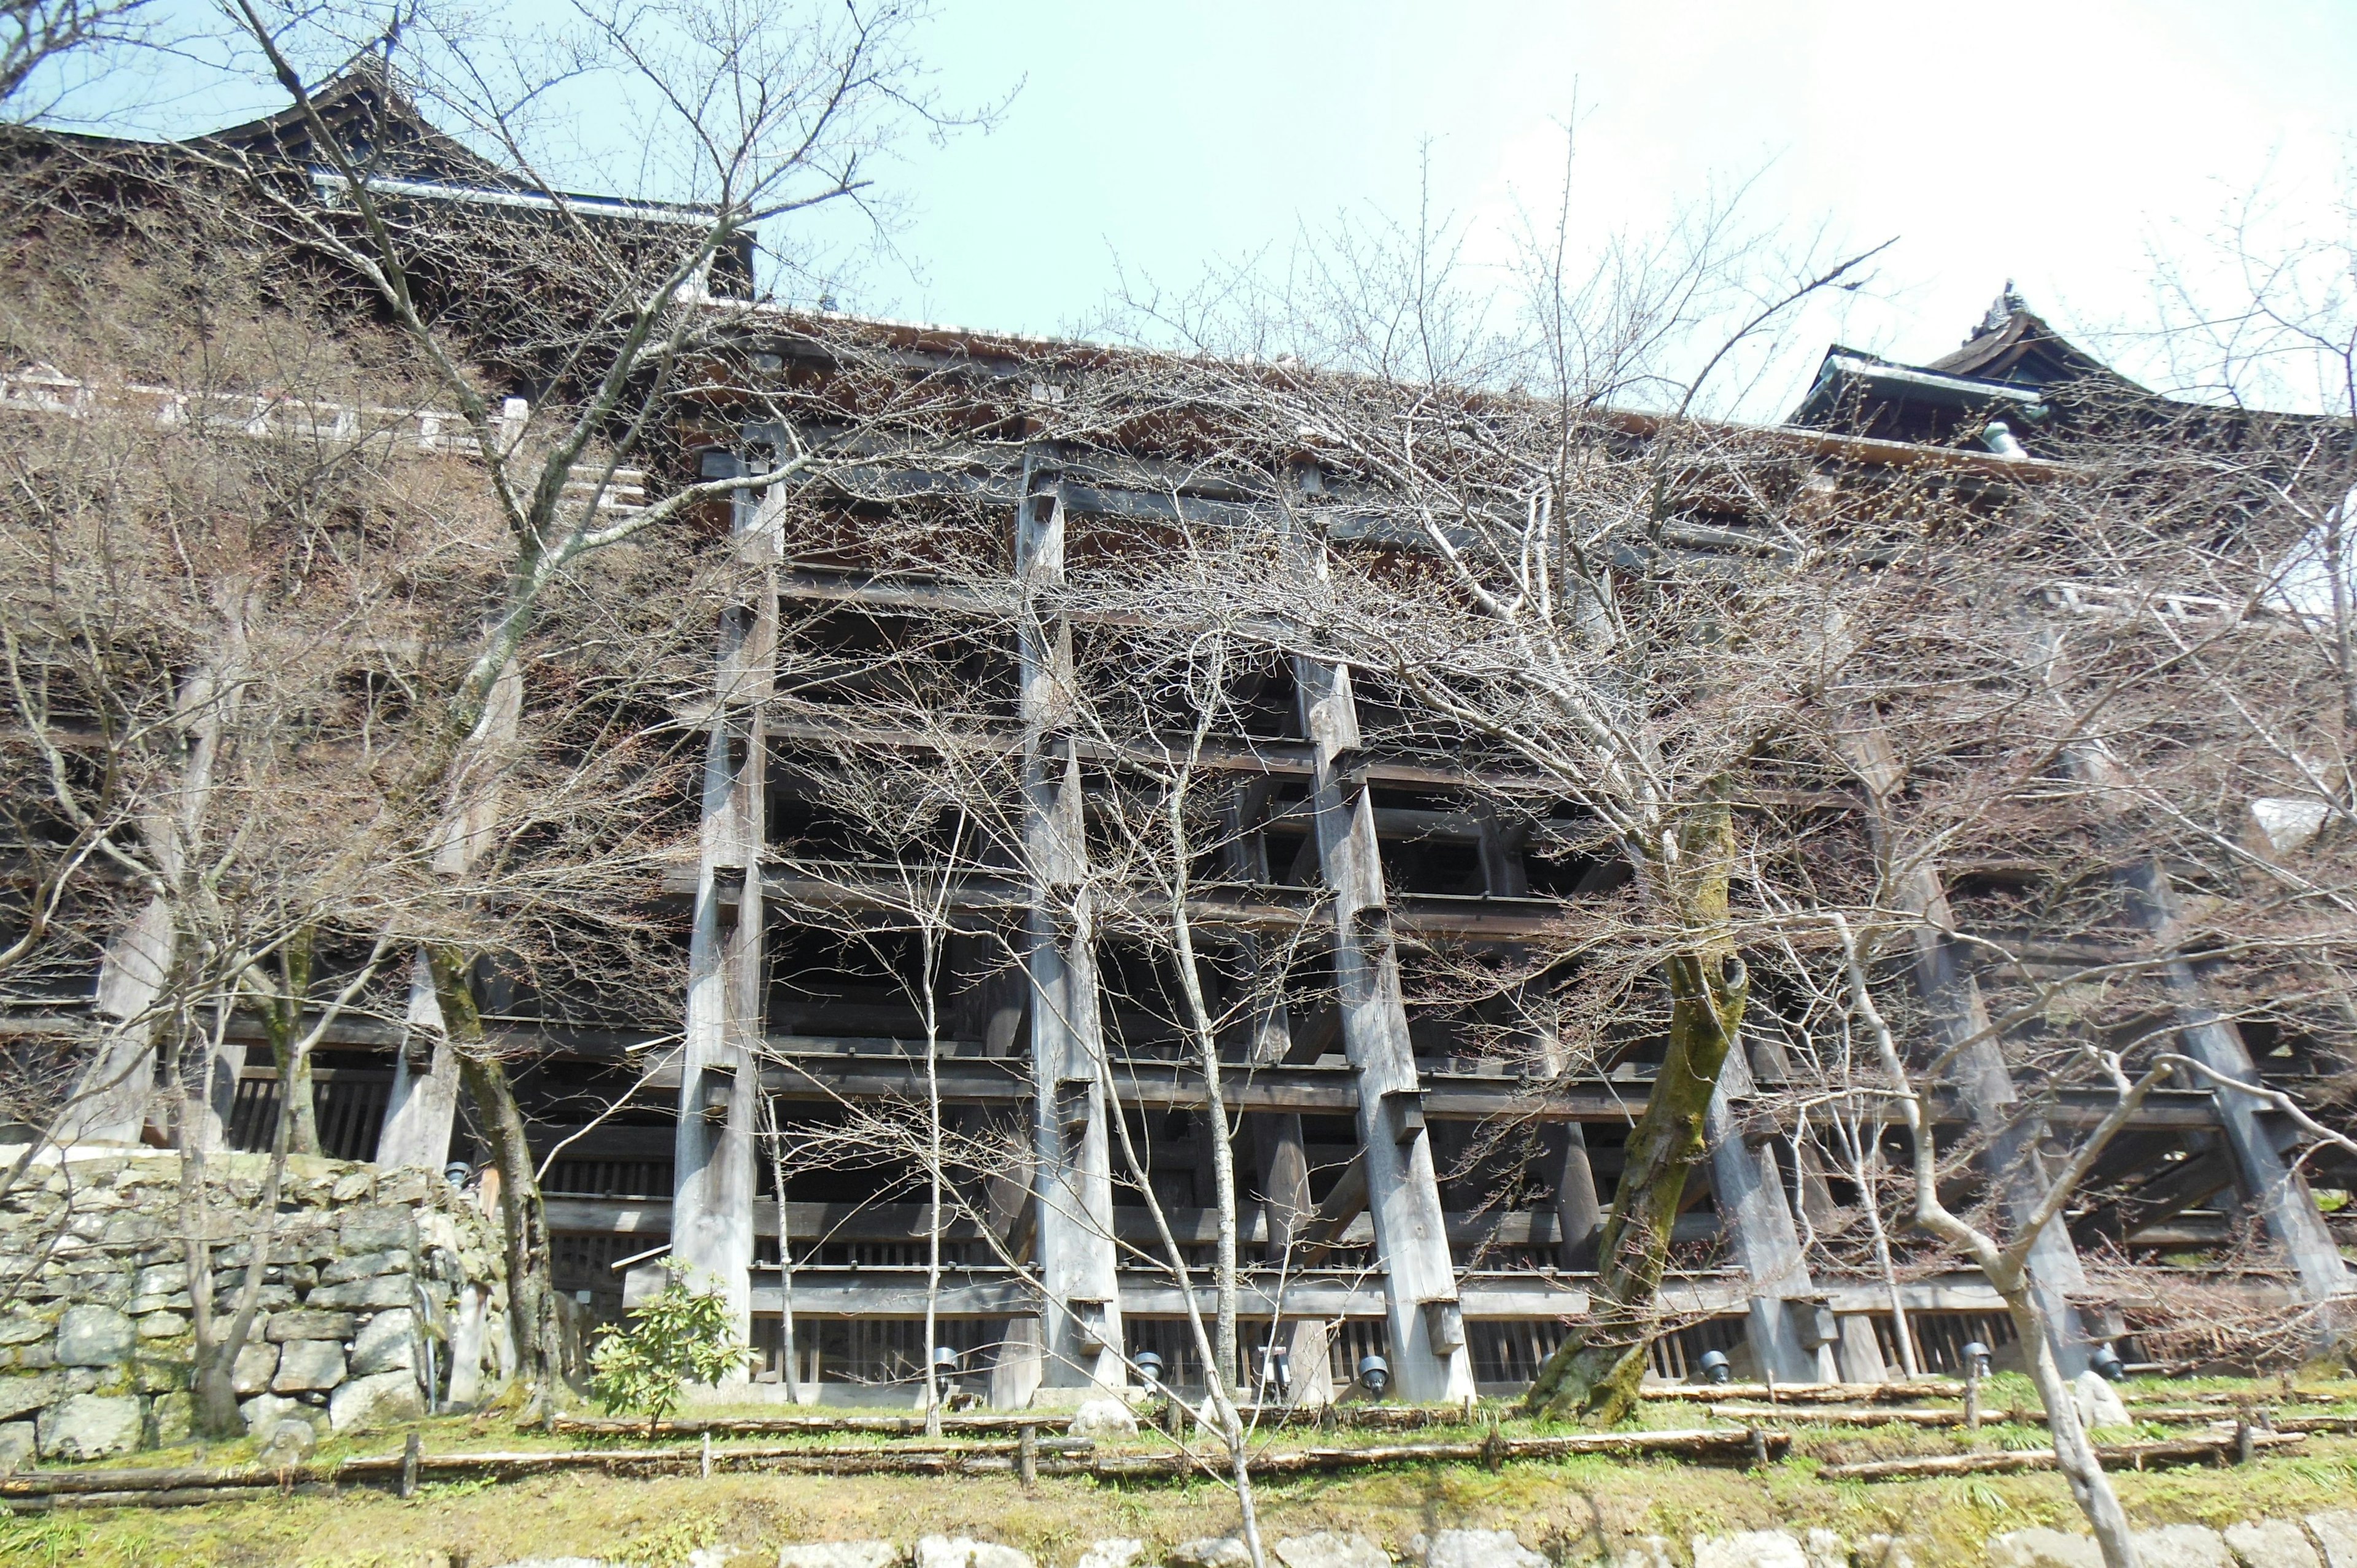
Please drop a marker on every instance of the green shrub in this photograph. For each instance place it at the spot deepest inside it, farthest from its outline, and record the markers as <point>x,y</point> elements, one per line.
<point>680,1336</point>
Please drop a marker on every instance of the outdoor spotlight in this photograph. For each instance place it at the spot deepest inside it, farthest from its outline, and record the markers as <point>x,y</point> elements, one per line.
<point>2106,1361</point>
<point>1150,1367</point>
<point>1977,1360</point>
<point>1375,1374</point>
<point>1715,1368</point>
<point>457,1172</point>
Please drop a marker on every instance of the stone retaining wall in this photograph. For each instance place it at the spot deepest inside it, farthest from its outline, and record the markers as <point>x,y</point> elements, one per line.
<point>383,1291</point>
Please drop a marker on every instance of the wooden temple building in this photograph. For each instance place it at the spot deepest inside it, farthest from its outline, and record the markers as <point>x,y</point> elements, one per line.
<point>1369,1222</point>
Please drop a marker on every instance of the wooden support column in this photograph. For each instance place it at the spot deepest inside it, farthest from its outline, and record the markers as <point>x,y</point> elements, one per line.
<point>720,1108</point>
<point>1278,1153</point>
<point>1429,1358</point>
<point>1079,1325</point>
<point>423,1104</point>
<point>1758,1220</point>
<point>1860,1353</point>
<point>110,1103</point>
<point>2274,1187</point>
<point>1952,998</point>
<point>1578,1210</point>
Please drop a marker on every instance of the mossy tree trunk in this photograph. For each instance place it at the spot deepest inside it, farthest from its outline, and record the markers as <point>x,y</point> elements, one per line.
<point>531,1306</point>
<point>1596,1371</point>
<point>290,1048</point>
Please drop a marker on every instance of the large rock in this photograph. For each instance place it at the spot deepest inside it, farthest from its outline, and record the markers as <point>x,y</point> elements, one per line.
<point>961,1551</point>
<point>1478,1549</point>
<point>395,1261</point>
<point>90,1426</point>
<point>159,1325</point>
<point>263,1412</point>
<point>2270,1544</point>
<point>1825,1549</point>
<point>1749,1549</point>
<point>1205,1552</point>
<point>171,1420</point>
<point>308,1325</point>
<point>306,1365</point>
<point>2099,1403</point>
<point>290,1441</point>
<point>386,1343</point>
<point>94,1337</point>
<point>22,1395</point>
<point>1104,1418</point>
<point>2181,1546</point>
<point>1884,1551</point>
<point>391,1397</point>
<point>379,1230</point>
<point>372,1294</point>
<point>1327,1550</point>
<point>2336,1532</point>
<point>841,1554</point>
<point>256,1364</point>
<point>1114,1552</point>
<point>19,1443</point>
<point>2039,1546</point>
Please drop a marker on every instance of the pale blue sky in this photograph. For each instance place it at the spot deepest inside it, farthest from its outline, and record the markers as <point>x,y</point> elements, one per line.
<point>2052,144</point>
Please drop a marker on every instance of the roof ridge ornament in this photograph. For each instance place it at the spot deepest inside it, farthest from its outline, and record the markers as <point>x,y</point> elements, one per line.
<point>2001,311</point>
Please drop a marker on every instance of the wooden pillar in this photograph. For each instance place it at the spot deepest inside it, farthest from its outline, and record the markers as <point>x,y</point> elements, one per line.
<point>1759,1225</point>
<point>2276,1191</point>
<point>423,1104</point>
<point>1578,1212</point>
<point>1279,1155</point>
<point>1429,1359</point>
<point>111,1100</point>
<point>714,1150</point>
<point>1860,1353</point>
<point>1079,1321</point>
<point>1952,998</point>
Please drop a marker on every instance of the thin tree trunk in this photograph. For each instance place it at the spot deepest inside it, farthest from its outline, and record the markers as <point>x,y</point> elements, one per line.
<point>1206,1052</point>
<point>1217,1401</point>
<point>1900,1330</point>
<point>215,1379</point>
<point>2074,1453</point>
<point>2006,1270</point>
<point>792,1379</point>
<point>291,1048</point>
<point>531,1304</point>
<point>927,945</point>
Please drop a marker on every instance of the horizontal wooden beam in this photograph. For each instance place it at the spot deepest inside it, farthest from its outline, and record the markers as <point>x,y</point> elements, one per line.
<point>1331,1090</point>
<point>815,1224</point>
